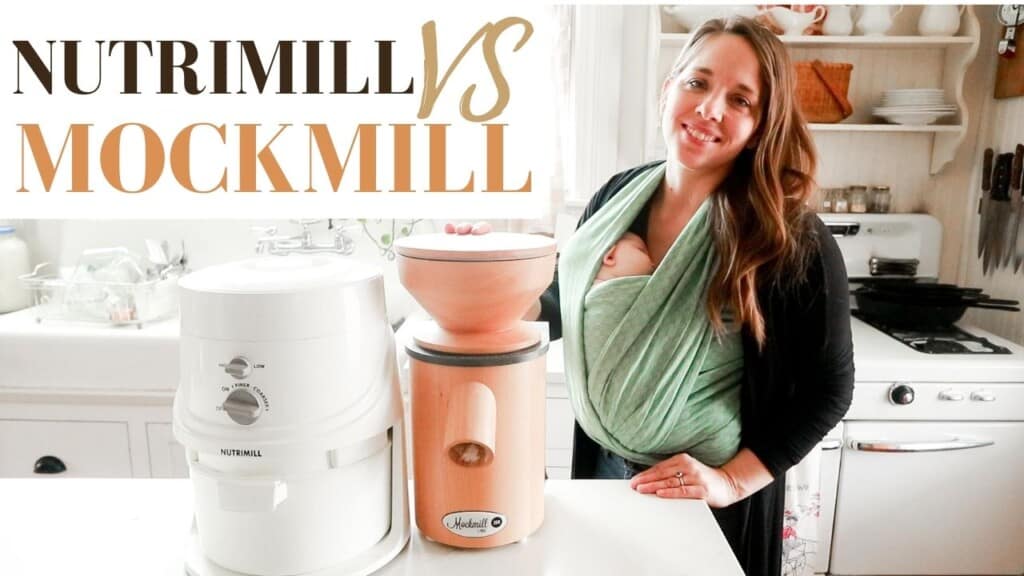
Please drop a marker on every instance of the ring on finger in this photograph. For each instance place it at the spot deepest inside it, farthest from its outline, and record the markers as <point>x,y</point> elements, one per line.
<point>679,476</point>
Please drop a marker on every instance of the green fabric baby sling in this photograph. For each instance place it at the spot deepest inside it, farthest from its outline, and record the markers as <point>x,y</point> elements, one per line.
<point>647,377</point>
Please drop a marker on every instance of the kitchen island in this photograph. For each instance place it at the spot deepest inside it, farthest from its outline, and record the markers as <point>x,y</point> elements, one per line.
<point>132,527</point>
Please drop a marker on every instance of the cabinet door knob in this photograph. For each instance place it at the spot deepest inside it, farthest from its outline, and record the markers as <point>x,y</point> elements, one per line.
<point>49,465</point>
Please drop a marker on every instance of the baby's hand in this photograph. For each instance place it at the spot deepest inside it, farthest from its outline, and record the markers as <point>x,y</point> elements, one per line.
<point>463,228</point>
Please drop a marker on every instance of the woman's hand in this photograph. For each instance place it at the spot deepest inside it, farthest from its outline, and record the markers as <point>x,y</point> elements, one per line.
<point>463,228</point>
<point>683,476</point>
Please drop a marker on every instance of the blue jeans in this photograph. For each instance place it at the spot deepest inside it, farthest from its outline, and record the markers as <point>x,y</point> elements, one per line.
<point>611,466</point>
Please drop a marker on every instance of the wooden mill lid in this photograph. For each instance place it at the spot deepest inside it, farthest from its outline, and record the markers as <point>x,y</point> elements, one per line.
<point>491,247</point>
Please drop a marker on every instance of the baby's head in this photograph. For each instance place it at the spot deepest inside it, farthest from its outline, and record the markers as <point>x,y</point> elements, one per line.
<point>628,257</point>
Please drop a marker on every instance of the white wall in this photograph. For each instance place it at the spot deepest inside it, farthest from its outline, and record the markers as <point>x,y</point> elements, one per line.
<point>207,242</point>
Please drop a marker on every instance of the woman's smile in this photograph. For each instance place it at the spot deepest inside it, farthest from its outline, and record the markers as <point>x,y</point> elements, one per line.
<point>700,135</point>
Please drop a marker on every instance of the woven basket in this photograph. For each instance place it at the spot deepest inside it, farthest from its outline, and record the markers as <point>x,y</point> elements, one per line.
<point>821,89</point>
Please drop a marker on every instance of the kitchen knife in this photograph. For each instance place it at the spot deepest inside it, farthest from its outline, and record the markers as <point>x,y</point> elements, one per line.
<point>997,212</point>
<point>1018,257</point>
<point>1010,239</point>
<point>983,201</point>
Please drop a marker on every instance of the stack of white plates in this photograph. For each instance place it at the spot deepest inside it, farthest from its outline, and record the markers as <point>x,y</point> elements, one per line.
<point>914,106</point>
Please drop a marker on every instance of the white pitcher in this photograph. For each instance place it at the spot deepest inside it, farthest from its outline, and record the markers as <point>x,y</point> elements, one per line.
<point>838,22</point>
<point>940,20</point>
<point>875,20</point>
<point>793,23</point>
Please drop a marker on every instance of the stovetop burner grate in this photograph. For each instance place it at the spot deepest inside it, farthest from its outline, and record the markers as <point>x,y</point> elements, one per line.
<point>946,340</point>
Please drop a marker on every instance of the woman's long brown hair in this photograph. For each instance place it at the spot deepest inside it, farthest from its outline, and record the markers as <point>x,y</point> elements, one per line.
<point>759,214</point>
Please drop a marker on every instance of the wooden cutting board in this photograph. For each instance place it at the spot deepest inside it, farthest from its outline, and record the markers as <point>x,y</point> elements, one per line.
<point>1010,73</point>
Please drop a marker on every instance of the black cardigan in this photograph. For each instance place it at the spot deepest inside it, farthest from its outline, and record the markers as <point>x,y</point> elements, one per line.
<point>794,391</point>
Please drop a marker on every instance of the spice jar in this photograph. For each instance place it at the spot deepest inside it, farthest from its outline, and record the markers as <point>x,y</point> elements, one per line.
<point>881,199</point>
<point>840,203</point>
<point>857,196</point>
<point>826,200</point>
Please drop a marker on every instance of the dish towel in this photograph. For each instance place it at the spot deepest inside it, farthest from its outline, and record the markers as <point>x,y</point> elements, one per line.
<point>647,377</point>
<point>800,520</point>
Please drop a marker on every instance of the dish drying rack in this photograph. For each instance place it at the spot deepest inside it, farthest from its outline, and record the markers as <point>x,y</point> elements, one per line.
<point>133,302</point>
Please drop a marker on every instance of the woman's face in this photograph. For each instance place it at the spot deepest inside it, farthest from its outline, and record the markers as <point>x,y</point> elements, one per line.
<point>712,108</point>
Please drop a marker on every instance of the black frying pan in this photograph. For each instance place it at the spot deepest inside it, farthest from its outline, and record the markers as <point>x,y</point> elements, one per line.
<point>914,312</point>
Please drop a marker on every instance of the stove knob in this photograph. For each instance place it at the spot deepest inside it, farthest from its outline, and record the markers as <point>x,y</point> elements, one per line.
<point>951,395</point>
<point>239,367</point>
<point>242,407</point>
<point>901,394</point>
<point>983,396</point>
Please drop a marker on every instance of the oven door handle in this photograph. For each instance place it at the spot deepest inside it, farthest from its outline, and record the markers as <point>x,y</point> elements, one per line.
<point>928,446</point>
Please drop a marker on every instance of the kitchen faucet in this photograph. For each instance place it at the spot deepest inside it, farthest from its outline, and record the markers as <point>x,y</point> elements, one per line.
<point>271,243</point>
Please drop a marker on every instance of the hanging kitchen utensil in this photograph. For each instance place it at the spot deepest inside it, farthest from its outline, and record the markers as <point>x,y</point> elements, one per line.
<point>1018,257</point>
<point>997,212</point>
<point>1010,234</point>
<point>1010,70</point>
<point>1009,15</point>
<point>984,200</point>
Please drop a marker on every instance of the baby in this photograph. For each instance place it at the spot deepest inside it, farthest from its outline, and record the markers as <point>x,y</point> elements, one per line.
<point>607,303</point>
<point>628,257</point>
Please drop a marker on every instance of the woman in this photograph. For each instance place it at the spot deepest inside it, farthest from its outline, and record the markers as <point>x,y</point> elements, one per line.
<point>737,350</point>
<point>730,201</point>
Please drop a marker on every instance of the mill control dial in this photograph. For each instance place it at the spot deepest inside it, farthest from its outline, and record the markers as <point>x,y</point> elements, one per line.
<point>242,406</point>
<point>239,367</point>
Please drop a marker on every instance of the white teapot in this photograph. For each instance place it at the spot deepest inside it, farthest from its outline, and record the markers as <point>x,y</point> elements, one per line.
<point>875,20</point>
<point>838,22</point>
<point>690,17</point>
<point>940,20</point>
<point>793,23</point>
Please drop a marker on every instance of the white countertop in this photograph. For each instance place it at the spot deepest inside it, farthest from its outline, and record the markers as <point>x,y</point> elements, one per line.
<point>140,527</point>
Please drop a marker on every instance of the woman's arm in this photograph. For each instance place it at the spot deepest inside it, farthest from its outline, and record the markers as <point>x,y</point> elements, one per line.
<point>813,371</point>
<point>683,476</point>
<point>785,427</point>
<point>746,474</point>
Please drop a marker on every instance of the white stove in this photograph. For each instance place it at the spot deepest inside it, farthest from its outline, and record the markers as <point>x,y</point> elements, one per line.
<point>880,357</point>
<point>926,467</point>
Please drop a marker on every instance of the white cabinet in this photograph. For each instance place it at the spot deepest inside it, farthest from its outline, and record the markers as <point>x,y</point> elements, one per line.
<point>166,455</point>
<point>831,452</point>
<point>560,419</point>
<point>558,442</point>
<point>88,434</point>
<point>38,448</point>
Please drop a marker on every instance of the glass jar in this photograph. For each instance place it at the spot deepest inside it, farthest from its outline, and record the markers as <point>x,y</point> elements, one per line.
<point>826,200</point>
<point>14,262</point>
<point>857,196</point>
<point>881,199</point>
<point>840,203</point>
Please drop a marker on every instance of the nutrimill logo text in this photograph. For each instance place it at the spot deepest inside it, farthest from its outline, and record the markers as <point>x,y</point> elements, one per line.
<point>392,115</point>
